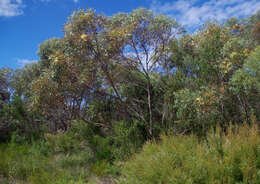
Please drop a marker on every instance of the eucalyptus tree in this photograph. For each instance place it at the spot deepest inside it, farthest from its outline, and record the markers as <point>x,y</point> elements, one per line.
<point>4,84</point>
<point>146,49</point>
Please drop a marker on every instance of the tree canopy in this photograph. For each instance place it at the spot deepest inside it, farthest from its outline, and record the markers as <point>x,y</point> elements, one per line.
<point>139,67</point>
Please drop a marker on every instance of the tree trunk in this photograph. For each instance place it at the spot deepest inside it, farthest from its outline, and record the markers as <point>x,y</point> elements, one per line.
<point>150,108</point>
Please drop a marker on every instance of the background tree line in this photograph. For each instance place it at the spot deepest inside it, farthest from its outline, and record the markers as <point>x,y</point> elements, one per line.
<point>136,70</point>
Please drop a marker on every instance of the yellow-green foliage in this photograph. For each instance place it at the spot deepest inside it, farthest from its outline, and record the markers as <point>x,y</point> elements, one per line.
<point>233,157</point>
<point>39,164</point>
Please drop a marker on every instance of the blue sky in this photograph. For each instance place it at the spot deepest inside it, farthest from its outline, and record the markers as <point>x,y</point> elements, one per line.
<point>24,24</point>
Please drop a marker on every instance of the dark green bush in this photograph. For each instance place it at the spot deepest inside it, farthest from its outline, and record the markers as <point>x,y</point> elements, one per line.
<point>128,139</point>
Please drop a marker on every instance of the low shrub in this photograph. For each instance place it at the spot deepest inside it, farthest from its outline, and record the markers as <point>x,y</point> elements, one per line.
<point>79,159</point>
<point>179,159</point>
<point>62,142</point>
<point>34,163</point>
<point>127,139</point>
<point>20,161</point>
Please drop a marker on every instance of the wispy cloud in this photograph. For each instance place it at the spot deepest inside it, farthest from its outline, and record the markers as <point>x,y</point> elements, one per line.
<point>75,1</point>
<point>23,62</point>
<point>45,0</point>
<point>195,12</point>
<point>10,8</point>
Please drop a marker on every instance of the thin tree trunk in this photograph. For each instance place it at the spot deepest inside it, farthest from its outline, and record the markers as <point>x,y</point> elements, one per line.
<point>150,108</point>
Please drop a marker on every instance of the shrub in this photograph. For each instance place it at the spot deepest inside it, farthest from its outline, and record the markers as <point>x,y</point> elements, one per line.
<point>230,158</point>
<point>36,165</point>
<point>197,111</point>
<point>62,142</point>
<point>128,139</point>
<point>20,161</point>
<point>78,159</point>
<point>100,168</point>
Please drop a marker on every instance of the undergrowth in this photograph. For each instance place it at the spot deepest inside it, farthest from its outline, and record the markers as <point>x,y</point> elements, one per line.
<point>231,157</point>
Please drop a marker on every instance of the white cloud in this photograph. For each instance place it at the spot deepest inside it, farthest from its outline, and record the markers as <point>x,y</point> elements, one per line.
<point>9,8</point>
<point>45,0</point>
<point>75,1</point>
<point>194,12</point>
<point>23,62</point>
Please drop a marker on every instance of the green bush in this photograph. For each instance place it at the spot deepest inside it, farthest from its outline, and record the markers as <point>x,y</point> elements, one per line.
<point>62,142</point>
<point>197,111</point>
<point>128,139</point>
<point>230,158</point>
<point>100,168</point>
<point>79,159</point>
<point>35,164</point>
<point>101,147</point>
<point>20,161</point>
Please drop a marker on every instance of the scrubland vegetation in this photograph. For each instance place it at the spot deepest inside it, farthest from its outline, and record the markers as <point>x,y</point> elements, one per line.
<point>229,158</point>
<point>135,98</point>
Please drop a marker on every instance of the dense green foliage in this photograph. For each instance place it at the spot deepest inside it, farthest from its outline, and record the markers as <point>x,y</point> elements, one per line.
<point>63,158</point>
<point>112,83</point>
<point>181,159</point>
